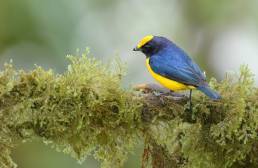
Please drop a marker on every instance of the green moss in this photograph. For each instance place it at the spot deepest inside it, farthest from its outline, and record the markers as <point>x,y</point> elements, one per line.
<point>85,111</point>
<point>219,134</point>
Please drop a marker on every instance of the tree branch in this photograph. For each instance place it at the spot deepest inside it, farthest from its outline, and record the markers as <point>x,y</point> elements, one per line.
<point>86,111</point>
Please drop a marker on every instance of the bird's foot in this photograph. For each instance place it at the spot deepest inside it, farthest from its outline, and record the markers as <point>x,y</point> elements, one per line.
<point>148,88</point>
<point>158,91</point>
<point>177,95</point>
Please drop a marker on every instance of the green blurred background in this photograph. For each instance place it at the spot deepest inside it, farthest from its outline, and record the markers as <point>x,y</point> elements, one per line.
<point>220,35</point>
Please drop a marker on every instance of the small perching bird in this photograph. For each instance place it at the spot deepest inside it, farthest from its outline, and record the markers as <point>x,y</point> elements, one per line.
<point>172,67</point>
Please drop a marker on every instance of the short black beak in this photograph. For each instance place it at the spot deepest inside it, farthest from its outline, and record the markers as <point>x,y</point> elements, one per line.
<point>136,49</point>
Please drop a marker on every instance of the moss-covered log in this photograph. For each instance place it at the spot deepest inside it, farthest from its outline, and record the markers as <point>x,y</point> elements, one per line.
<point>86,111</point>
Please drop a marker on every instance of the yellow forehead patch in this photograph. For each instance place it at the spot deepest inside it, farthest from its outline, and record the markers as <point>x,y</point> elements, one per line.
<point>145,40</point>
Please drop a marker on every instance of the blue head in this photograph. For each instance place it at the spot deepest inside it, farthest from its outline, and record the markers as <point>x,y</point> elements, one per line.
<point>151,45</point>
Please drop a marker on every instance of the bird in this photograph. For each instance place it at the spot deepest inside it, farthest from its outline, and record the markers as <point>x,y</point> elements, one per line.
<point>172,67</point>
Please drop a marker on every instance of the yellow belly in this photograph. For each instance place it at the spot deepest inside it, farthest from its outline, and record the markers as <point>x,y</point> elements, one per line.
<point>170,84</point>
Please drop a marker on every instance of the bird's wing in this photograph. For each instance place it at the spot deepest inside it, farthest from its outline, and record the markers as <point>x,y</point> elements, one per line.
<point>180,70</point>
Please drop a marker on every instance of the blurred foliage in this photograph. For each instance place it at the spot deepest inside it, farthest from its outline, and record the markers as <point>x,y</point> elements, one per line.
<point>202,13</point>
<point>86,112</point>
<point>14,24</point>
<point>206,21</point>
<point>43,27</point>
<point>42,32</point>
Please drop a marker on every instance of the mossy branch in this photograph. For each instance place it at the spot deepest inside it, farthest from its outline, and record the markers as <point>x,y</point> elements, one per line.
<point>85,111</point>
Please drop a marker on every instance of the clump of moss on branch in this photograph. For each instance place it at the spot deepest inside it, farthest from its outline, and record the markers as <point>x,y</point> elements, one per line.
<point>81,112</point>
<point>86,111</point>
<point>217,134</point>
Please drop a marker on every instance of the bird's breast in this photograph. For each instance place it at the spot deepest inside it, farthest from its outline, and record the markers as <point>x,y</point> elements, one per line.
<point>168,83</point>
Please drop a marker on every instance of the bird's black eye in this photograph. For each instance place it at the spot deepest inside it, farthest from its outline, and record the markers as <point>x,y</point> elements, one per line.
<point>147,46</point>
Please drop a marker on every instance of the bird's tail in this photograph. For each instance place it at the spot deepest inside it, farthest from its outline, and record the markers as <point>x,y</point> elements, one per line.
<point>209,92</point>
